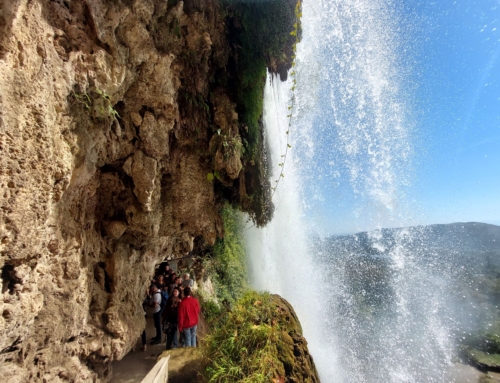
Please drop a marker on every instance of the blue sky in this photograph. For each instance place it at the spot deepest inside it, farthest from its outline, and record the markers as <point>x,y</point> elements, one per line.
<point>447,63</point>
<point>458,111</point>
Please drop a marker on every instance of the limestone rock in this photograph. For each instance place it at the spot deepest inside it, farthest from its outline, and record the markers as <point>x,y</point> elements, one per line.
<point>115,229</point>
<point>482,360</point>
<point>294,354</point>
<point>143,171</point>
<point>227,142</point>
<point>154,135</point>
<point>93,191</point>
<point>136,118</point>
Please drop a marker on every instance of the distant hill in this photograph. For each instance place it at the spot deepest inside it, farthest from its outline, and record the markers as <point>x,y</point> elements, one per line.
<point>460,237</point>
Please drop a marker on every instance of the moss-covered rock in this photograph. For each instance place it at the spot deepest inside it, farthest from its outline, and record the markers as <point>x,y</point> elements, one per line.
<point>184,364</point>
<point>260,340</point>
<point>482,360</point>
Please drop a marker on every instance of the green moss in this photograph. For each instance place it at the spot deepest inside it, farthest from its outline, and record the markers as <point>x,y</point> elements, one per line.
<point>482,359</point>
<point>228,265</point>
<point>261,31</point>
<point>260,340</point>
<point>486,379</point>
<point>250,96</point>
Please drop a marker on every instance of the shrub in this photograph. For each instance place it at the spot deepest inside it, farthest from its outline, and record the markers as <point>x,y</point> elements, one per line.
<point>228,264</point>
<point>259,340</point>
<point>243,347</point>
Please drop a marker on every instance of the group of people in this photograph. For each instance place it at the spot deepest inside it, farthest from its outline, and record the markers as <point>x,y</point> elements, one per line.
<point>175,310</point>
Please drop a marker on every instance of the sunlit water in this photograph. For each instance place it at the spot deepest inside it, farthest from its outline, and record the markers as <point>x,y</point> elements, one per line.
<point>351,128</point>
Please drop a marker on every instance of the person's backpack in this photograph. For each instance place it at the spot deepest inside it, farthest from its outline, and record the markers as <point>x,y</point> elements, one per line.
<point>164,299</point>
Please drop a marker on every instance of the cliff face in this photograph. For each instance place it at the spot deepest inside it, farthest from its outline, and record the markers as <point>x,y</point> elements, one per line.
<point>108,115</point>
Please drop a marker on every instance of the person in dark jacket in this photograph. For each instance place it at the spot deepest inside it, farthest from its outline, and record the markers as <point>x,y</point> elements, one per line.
<point>176,284</point>
<point>189,310</point>
<point>170,319</point>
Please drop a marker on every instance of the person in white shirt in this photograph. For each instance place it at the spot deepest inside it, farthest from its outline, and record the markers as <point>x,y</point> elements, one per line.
<point>156,305</point>
<point>187,282</point>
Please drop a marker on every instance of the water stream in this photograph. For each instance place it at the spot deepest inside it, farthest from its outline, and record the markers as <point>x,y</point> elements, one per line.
<point>370,314</point>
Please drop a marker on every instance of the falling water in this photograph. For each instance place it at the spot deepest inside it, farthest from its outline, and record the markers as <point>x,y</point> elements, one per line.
<point>351,137</point>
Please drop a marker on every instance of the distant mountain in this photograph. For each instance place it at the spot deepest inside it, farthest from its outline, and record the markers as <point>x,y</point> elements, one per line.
<point>470,236</point>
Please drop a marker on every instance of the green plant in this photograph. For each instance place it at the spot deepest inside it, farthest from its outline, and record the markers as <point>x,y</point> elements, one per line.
<point>98,101</point>
<point>227,264</point>
<point>231,146</point>
<point>295,33</point>
<point>106,107</point>
<point>210,309</point>
<point>254,343</point>
<point>261,31</point>
<point>84,99</point>
<point>211,176</point>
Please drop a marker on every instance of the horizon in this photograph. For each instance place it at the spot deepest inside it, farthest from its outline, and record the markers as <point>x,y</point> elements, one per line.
<point>411,226</point>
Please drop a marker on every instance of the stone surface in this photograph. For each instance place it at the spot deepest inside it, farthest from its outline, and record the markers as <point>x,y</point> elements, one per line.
<point>293,353</point>
<point>483,360</point>
<point>103,171</point>
<point>461,373</point>
<point>227,142</point>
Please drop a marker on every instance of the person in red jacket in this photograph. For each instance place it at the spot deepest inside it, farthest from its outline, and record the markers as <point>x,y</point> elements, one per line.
<point>189,309</point>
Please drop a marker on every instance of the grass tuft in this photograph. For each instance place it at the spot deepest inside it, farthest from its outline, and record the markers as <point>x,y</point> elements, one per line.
<point>244,345</point>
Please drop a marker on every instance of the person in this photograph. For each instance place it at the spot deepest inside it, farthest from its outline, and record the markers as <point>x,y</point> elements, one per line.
<point>171,278</point>
<point>176,284</point>
<point>164,269</point>
<point>168,271</point>
<point>164,297</point>
<point>143,335</point>
<point>187,281</point>
<point>170,319</point>
<point>189,309</point>
<point>156,305</point>
<point>160,281</point>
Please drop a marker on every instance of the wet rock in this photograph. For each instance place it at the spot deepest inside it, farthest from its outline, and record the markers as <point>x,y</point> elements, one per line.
<point>482,360</point>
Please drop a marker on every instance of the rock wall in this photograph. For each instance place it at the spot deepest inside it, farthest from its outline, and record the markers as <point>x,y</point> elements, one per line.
<point>108,109</point>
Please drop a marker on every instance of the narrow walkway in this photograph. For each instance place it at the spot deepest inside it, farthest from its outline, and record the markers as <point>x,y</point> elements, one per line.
<point>183,366</point>
<point>137,363</point>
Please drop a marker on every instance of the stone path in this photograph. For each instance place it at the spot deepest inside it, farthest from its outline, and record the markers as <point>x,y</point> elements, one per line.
<point>183,365</point>
<point>136,364</point>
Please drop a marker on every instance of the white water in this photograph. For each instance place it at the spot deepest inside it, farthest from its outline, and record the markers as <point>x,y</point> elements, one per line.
<point>351,141</point>
<point>280,261</point>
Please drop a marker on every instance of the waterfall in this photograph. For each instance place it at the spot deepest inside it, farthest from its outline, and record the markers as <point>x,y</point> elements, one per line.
<point>280,260</point>
<point>377,315</point>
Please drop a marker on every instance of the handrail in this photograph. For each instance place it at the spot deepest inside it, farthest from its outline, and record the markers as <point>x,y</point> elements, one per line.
<point>159,373</point>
